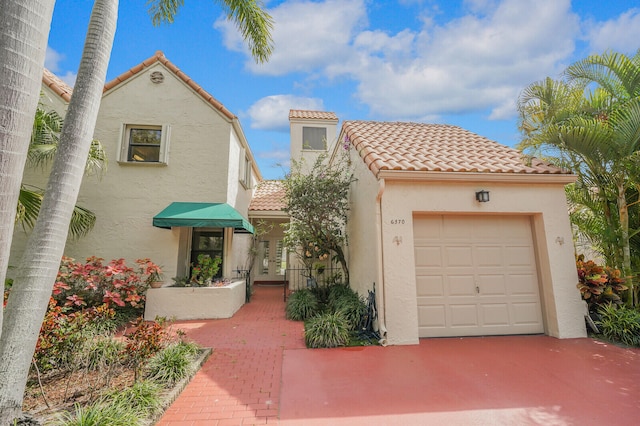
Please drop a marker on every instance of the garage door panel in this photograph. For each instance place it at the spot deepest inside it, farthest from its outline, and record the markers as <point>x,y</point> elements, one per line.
<point>488,256</point>
<point>463,315</point>
<point>429,256</point>
<point>495,314</point>
<point>476,276</point>
<point>523,284</point>
<point>519,256</point>
<point>491,284</point>
<point>525,313</point>
<point>430,286</point>
<point>432,316</point>
<point>458,256</point>
<point>461,285</point>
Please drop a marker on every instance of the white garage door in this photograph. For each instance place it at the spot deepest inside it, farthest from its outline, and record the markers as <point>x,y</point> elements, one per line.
<point>476,276</point>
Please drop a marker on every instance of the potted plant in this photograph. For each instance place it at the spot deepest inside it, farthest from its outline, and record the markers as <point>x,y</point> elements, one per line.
<point>206,268</point>
<point>155,277</point>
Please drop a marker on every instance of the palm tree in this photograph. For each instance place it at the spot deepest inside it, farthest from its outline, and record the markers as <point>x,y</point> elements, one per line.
<point>591,124</point>
<point>42,149</point>
<point>37,269</point>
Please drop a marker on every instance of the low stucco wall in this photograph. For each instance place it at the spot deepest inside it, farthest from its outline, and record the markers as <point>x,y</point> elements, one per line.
<point>185,303</point>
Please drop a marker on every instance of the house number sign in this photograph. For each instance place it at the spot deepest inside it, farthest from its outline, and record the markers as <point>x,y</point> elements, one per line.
<point>397,221</point>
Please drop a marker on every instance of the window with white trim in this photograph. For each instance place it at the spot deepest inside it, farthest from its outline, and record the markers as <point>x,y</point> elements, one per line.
<point>244,175</point>
<point>314,138</point>
<point>144,144</point>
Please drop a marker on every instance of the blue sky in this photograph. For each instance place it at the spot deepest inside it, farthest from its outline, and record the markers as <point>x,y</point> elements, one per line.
<point>460,62</point>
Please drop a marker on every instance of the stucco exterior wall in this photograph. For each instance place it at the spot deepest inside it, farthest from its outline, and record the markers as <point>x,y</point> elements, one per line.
<point>545,203</point>
<point>362,229</point>
<point>201,142</point>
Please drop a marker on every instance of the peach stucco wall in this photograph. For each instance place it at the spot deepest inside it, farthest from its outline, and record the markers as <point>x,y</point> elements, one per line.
<point>545,203</point>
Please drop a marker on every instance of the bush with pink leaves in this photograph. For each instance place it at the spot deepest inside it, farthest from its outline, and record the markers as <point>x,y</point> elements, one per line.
<point>93,283</point>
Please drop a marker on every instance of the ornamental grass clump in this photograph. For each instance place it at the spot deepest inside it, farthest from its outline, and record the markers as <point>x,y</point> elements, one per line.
<point>328,330</point>
<point>172,364</point>
<point>100,413</point>
<point>144,397</point>
<point>302,304</point>
<point>620,324</point>
<point>352,308</point>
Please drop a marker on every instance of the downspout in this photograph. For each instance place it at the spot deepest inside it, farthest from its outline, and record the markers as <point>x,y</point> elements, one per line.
<point>382,327</point>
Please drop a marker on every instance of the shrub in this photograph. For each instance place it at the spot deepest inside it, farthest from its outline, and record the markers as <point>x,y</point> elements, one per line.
<point>620,324</point>
<point>148,338</point>
<point>144,397</point>
<point>93,283</point>
<point>172,364</point>
<point>352,308</point>
<point>328,330</point>
<point>62,334</point>
<point>599,285</point>
<point>301,305</point>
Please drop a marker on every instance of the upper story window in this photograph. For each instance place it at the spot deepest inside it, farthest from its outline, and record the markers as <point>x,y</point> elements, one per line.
<point>314,138</point>
<point>144,144</point>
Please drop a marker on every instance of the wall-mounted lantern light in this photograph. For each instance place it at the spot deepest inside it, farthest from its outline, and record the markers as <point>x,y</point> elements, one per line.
<point>482,196</point>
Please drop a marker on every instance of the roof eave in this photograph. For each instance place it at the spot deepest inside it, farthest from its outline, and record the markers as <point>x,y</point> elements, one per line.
<point>546,178</point>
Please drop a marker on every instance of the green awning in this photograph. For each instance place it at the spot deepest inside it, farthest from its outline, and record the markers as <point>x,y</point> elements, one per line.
<point>202,215</point>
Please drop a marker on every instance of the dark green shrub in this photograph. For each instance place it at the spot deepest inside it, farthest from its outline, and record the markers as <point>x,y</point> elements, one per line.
<point>620,324</point>
<point>171,364</point>
<point>328,330</point>
<point>322,293</point>
<point>352,308</point>
<point>301,305</point>
<point>337,291</point>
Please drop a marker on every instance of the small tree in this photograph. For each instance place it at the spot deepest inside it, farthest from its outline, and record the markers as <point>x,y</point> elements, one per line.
<point>318,203</point>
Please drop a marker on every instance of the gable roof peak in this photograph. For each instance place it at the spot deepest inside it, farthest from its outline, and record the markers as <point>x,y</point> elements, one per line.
<point>161,58</point>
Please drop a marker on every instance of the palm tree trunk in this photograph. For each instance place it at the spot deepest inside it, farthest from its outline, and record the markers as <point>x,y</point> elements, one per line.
<point>626,251</point>
<point>24,29</point>
<point>39,265</point>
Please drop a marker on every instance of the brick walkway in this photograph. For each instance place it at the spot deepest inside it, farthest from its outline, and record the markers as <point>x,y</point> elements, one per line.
<point>240,382</point>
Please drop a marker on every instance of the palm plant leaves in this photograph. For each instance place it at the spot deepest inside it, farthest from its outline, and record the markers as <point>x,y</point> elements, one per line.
<point>29,202</point>
<point>253,22</point>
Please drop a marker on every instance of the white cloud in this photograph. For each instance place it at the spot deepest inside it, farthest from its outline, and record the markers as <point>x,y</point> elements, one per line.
<point>272,112</point>
<point>621,34</point>
<point>307,35</point>
<point>52,61</point>
<point>472,63</point>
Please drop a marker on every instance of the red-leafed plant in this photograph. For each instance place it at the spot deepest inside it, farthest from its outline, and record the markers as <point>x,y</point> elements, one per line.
<point>93,283</point>
<point>147,339</point>
<point>599,284</point>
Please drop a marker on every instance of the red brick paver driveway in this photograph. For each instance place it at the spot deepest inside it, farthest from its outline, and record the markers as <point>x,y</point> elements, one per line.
<point>261,373</point>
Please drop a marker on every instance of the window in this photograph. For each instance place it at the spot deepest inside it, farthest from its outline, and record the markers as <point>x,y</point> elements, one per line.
<point>208,242</point>
<point>144,144</point>
<point>314,138</point>
<point>245,172</point>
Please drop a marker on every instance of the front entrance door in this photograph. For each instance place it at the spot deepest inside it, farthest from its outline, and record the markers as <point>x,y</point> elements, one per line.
<point>271,261</point>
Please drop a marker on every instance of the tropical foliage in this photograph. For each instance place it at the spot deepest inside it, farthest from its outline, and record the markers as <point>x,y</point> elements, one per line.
<point>589,122</point>
<point>317,202</point>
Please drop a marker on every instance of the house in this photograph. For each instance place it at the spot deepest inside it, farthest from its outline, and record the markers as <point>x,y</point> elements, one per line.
<point>459,235</point>
<point>180,172</point>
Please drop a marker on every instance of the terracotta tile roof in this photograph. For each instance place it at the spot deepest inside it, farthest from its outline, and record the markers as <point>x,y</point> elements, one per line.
<point>435,148</point>
<point>159,57</point>
<point>312,115</point>
<point>269,196</point>
<point>58,86</point>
